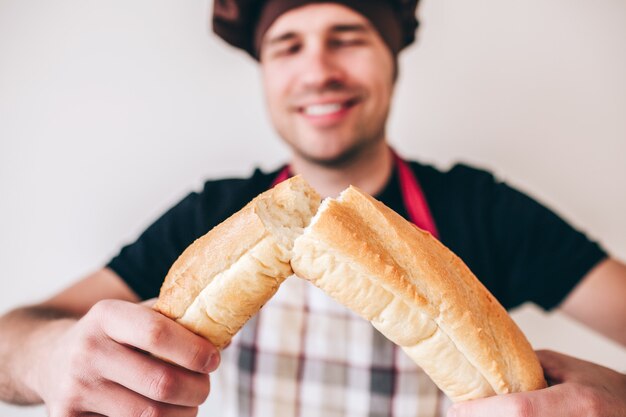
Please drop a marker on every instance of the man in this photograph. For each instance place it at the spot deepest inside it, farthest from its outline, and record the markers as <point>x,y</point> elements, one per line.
<point>328,72</point>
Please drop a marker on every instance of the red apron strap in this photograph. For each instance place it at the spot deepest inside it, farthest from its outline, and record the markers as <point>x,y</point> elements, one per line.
<point>412,194</point>
<point>283,175</point>
<point>413,197</point>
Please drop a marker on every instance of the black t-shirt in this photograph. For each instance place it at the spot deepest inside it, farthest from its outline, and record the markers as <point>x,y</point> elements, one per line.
<point>520,250</point>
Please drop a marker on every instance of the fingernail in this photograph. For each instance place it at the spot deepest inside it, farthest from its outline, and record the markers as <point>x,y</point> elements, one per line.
<point>212,363</point>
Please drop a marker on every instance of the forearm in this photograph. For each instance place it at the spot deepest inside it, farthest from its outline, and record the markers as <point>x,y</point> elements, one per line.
<point>26,335</point>
<point>598,300</point>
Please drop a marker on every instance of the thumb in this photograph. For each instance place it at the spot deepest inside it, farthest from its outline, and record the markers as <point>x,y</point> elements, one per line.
<point>558,367</point>
<point>549,401</point>
<point>149,303</point>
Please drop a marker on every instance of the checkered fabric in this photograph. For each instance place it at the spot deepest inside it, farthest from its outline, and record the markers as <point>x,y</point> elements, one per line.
<point>305,355</point>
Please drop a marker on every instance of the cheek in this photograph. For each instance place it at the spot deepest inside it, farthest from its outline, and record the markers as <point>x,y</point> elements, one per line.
<point>380,89</point>
<point>384,82</point>
<point>375,73</point>
<point>275,88</point>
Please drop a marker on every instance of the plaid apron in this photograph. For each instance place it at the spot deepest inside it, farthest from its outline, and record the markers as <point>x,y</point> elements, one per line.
<point>305,355</point>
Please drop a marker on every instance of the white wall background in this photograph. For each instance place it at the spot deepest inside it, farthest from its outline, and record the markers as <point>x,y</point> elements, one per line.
<point>112,111</point>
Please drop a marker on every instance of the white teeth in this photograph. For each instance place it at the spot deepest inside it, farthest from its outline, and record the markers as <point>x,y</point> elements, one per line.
<point>322,109</point>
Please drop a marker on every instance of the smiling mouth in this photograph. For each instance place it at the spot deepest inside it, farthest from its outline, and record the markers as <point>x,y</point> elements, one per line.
<point>326,109</point>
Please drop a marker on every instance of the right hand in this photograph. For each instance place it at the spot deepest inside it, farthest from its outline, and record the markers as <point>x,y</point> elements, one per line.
<point>123,359</point>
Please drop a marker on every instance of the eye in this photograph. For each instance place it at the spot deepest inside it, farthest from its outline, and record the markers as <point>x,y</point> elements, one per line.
<point>347,42</point>
<point>287,49</point>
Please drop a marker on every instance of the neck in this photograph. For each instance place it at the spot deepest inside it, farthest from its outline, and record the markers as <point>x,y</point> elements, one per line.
<point>368,170</point>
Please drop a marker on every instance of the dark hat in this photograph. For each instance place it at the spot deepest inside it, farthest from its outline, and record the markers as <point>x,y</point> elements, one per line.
<point>242,23</point>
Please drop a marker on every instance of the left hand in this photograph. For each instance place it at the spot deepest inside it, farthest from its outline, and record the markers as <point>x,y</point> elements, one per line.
<point>577,389</point>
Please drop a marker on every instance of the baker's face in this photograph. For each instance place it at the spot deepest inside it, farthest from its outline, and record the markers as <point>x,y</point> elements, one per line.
<point>328,79</point>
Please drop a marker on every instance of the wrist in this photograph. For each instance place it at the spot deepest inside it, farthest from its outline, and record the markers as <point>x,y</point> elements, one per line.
<point>36,367</point>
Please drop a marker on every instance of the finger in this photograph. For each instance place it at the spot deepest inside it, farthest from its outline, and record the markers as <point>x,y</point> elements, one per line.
<point>149,303</point>
<point>560,360</point>
<point>554,368</point>
<point>559,368</point>
<point>112,399</point>
<point>153,378</point>
<point>550,401</point>
<point>556,359</point>
<point>152,332</point>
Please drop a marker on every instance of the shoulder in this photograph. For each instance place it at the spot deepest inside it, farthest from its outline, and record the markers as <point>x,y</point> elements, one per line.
<point>464,189</point>
<point>231,186</point>
<point>459,180</point>
<point>457,172</point>
<point>218,198</point>
<point>468,200</point>
<point>225,196</point>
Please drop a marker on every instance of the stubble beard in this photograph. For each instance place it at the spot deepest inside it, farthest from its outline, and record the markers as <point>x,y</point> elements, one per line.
<point>368,136</point>
<point>346,157</point>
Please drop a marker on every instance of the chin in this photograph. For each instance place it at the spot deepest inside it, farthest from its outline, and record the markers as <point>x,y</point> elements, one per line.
<point>330,158</point>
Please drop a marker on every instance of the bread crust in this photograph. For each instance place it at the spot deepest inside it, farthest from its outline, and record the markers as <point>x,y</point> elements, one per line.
<point>364,255</point>
<point>417,293</point>
<point>206,257</point>
<point>224,277</point>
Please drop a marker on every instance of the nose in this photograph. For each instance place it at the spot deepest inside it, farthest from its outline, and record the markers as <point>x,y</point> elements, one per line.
<point>321,69</point>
